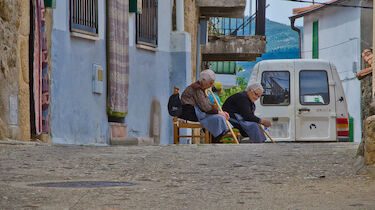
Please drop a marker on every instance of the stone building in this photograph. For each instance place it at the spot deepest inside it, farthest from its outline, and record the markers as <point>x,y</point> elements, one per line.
<point>18,41</point>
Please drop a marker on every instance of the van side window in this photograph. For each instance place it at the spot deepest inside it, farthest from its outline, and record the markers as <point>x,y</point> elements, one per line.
<point>313,87</point>
<point>276,86</point>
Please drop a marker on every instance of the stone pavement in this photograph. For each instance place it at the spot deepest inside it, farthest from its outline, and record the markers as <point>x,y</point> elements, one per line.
<point>246,176</point>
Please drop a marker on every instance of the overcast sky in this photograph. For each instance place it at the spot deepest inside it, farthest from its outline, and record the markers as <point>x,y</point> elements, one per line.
<point>280,10</point>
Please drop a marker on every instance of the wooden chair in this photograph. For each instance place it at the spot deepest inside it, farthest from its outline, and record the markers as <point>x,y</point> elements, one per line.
<point>180,123</point>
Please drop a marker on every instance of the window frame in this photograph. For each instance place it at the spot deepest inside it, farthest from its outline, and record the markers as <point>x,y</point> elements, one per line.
<point>299,91</point>
<point>91,27</point>
<point>149,16</point>
<point>261,99</point>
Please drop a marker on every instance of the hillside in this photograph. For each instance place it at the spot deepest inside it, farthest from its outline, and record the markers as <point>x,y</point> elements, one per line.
<point>282,43</point>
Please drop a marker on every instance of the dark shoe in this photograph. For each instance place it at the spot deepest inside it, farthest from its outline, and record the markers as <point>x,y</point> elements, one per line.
<point>218,138</point>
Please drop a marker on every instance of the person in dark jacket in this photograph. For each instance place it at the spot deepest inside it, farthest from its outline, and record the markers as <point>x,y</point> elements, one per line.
<point>241,108</point>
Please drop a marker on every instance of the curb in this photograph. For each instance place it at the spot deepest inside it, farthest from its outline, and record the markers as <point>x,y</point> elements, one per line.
<point>18,142</point>
<point>132,141</point>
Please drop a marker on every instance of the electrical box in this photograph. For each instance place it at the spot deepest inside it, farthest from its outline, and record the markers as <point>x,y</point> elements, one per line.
<point>97,79</point>
<point>50,3</point>
<point>13,110</point>
<point>135,6</point>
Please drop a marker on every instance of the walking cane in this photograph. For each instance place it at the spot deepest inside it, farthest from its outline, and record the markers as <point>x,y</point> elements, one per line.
<point>229,126</point>
<point>266,133</point>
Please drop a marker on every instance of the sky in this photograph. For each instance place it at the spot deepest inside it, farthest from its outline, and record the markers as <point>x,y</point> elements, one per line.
<point>280,10</point>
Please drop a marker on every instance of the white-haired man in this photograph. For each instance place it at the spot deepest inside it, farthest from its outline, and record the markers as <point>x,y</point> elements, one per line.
<point>197,106</point>
<point>241,108</point>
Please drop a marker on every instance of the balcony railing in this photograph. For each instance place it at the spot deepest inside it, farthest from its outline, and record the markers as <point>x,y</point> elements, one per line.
<point>247,26</point>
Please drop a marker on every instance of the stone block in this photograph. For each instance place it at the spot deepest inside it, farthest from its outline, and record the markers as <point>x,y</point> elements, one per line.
<point>3,128</point>
<point>24,58</point>
<point>24,111</point>
<point>132,141</point>
<point>5,10</point>
<point>117,130</point>
<point>370,140</point>
<point>24,18</point>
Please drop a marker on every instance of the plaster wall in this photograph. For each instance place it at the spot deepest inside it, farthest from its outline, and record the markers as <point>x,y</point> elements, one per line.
<point>339,42</point>
<point>153,73</point>
<point>78,116</point>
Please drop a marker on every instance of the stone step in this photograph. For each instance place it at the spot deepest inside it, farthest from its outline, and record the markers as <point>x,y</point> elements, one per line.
<point>129,141</point>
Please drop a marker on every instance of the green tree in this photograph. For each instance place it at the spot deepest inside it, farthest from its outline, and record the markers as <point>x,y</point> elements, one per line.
<point>241,85</point>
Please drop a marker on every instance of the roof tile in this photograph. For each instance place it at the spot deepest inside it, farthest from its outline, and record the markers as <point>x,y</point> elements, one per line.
<point>312,7</point>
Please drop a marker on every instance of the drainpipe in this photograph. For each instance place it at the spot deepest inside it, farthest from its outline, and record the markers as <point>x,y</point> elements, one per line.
<point>180,15</point>
<point>292,21</point>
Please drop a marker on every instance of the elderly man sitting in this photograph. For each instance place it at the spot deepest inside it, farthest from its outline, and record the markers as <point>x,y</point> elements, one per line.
<point>197,105</point>
<point>241,108</point>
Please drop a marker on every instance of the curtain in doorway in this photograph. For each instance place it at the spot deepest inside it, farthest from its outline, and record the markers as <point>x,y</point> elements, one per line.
<point>117,57</point>
<point>40,75</point>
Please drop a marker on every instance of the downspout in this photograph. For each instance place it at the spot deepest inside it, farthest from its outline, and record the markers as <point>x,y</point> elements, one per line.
<point>180,15</point>
<point>292,21</point>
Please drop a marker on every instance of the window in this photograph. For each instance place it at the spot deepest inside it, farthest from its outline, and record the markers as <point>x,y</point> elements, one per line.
<point>315,44</point>
<point>84,16</point>
<point>313,87</point>
<point>147,23</point>
<point>276,86</point>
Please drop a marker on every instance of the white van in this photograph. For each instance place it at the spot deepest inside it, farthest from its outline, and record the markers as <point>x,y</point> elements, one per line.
<point>303,98</point>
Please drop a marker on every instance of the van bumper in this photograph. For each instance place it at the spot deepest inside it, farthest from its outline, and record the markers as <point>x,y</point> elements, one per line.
<point>343,138</point>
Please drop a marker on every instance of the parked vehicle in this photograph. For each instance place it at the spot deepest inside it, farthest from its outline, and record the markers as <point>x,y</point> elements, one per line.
<point>303,98</point>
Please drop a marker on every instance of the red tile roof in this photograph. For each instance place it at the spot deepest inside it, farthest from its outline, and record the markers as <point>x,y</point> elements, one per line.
<point>367,55</point>
<point>312,7</point>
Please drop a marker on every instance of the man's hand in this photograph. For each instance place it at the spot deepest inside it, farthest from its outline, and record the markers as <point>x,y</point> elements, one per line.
<point>224,114</point>
<point>266,123</point>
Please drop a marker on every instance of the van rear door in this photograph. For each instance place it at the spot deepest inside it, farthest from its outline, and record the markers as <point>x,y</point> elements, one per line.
<point>315,102</point>
<point>276,103</point>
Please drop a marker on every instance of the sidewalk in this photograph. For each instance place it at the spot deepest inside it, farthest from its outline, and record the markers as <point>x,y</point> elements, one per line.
<point>246,176</point>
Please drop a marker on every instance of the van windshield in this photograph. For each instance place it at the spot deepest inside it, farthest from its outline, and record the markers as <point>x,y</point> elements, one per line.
<point>276,85</point>
<point>313,87</point>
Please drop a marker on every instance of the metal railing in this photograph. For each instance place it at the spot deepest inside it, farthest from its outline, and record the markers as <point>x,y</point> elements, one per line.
<point>147,23</point>
<point>84,16</point>
<point>246,26</point>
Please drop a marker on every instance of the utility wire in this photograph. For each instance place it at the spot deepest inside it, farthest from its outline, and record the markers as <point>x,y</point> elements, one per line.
<point>331,4</point>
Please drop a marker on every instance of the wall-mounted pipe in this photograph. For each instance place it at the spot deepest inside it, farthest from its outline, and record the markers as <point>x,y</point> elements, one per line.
<point>292,21</point>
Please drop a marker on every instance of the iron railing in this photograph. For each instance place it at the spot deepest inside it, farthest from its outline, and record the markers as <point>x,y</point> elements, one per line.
<point>239,26</point>
<point>147,23</point>
<point>84,16</point>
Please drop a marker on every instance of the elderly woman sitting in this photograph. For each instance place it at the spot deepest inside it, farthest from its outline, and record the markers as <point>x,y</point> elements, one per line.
<point>241,108</point>
<point>197,105</point>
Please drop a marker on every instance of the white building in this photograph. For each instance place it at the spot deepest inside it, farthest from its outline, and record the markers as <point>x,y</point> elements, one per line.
<point>338,34</point>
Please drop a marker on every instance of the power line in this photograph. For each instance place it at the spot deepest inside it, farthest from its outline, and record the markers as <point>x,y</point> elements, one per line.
<point>331,4</point>
<point>335,45</point>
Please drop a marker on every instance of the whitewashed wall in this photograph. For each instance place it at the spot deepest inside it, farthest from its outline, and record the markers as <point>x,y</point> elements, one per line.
<point>339,42</point>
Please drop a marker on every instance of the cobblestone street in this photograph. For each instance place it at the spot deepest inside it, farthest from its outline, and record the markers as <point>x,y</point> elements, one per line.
<point>246,176</point>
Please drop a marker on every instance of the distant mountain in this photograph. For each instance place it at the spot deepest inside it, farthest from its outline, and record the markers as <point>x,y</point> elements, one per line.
<point>282,43</point>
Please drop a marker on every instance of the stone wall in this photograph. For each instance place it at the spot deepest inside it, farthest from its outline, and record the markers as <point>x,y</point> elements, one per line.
<point>14,69</point>
<point>369,143</point>
<point>366,87</point>
<point>191,20</point>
